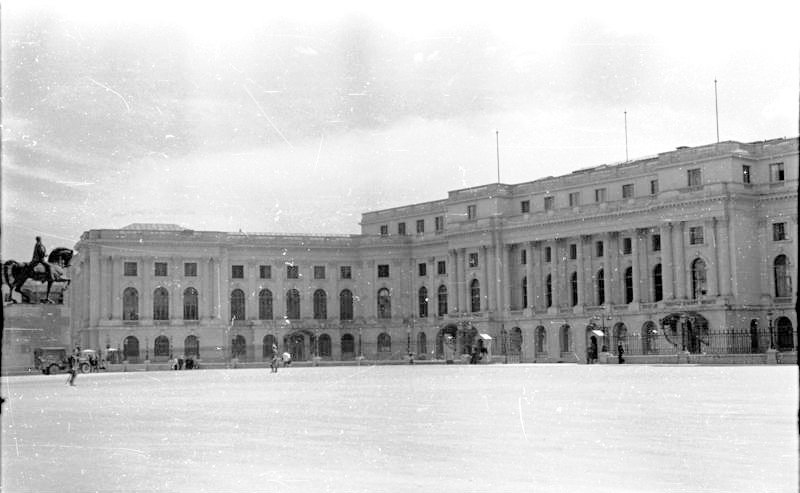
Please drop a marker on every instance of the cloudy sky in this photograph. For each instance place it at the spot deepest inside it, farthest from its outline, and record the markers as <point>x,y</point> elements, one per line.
<point>277,118</point>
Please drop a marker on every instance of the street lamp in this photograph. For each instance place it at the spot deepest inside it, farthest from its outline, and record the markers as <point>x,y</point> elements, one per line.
<point>771,339</point>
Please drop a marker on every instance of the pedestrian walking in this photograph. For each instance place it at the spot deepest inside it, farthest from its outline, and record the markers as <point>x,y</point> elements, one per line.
<point>274,362</point>
<point>73,370</point>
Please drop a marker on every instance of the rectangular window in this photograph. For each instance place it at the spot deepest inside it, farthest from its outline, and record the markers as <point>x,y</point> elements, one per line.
<point>694,178</point>
<point>319,272</point>
<point>573,251</point>
<point>265,271</point>
<point>778,231</point>
<point>130,269</point>
<point>292,272</point>
<point>473,259</point>
<point>345,272</point>
<point>599,195</point>
<point>626,246</point>
<point>472,212</point>
<point>420,226</point>
<point>190,269</point>
<point>422,269</point>
<point>384,230</point>
<point>598,249</point>
<point>523,257</point>
<point>383,270</point>
<point>548,254</point>
<point>401,229</point>
<point>696,235</point>
<point>574,199</point>
<point>656,240</point>
<point>653,187</point>
<point>776,172</point>
<point>439,223</point>
<point>237,271</point>
<point>549,202</point>
<point>627,191</point>
<point>525,206</point>
<point>745,173</point>
<point>161,269</point>
<point>441,267</point>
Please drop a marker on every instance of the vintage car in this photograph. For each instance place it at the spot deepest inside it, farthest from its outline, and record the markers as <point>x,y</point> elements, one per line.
<point>50,360</point>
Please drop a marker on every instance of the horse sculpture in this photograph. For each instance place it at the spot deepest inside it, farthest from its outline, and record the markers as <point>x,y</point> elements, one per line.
<point>16,273</point>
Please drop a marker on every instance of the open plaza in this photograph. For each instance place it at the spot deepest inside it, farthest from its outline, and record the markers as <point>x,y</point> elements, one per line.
<point>393,428</point>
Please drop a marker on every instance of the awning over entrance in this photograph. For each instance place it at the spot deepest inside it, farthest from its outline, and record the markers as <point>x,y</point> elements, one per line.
<point>598,332</point>
<point>485,337</point>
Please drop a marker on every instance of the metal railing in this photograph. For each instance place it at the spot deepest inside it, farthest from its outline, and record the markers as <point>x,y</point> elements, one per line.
<point>721,341</point>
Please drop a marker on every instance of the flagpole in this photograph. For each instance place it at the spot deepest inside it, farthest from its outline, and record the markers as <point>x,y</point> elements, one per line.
<point>626,135</point>
<point>716,107</point>
<point>497,140</point>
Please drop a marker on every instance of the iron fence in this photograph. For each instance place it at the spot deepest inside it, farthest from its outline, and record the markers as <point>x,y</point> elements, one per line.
<point>722,341</point>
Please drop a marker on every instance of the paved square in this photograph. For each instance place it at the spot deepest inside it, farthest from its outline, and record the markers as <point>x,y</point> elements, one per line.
<point>501,428</point>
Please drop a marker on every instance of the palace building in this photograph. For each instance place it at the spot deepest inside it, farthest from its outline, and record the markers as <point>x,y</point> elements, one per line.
<point>692,252</point>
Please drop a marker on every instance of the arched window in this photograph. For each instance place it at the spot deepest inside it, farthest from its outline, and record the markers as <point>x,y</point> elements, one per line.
<point>346,305</point>
<point>266,346</point>
<point>384,304</point>
<point>160,304</point>
<point>348,347</point>
<point>442,299</point>
<point>161,348</point>
<point>541,340</point>
<point>783,282</point>
<point>293,304</point>
<point>384,343</point>
<point>130,304</point>
<point>320,305</point>
<point>130,348</point>
<point>601,287</point>
<point>524,291</point>
<point>573,288</point>
<point>190,304</point>
<point>324,346</point>
<point>698,278</point>
<point>422,344</point>
<point>548,290</point>
<point>564,339</point>
<point>785,334</point>
<point>191,346</point>
<point>265,306</point>
<point>658,284</point>
<point>238,347</point>
<point>515,342</point>
<point>475,296</point>
<point>237,304</point>
<point>629,285</point>
<point>423,302</point>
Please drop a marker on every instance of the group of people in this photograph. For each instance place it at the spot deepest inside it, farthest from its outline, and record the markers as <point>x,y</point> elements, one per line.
<point>180,363</point>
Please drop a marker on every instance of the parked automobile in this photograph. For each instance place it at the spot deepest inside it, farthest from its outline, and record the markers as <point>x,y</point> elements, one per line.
<point>50,360</point>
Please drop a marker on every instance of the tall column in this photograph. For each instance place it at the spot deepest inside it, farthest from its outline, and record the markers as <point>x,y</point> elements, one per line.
<point>506,278</point>
<point>461,280</point>
<point>204,296</point>
<point>528,245</point>
<point>452,281</point>
<point>713,271</point>
<point>497,271</point>
<point>225,288</point>
<point>637,295</point>
<point>579,269</point>
<point>484,263</point>
<point>491,277</point>
<point>725,257</point>
<point>279,296</point>
<point>608,274</point>
<point>539,302</point>
<point>116,295</point>
<point>554,281</point>
<point>667,266</point>
<point>105,296</point>
<point>94,286</point>
<point>176,295</point>
<point>251,297</point>
<point>146,313</point>
<point>680,261</point>
<point>433,288</point>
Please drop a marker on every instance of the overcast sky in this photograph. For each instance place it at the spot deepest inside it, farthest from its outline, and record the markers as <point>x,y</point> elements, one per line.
<point>279,118</point>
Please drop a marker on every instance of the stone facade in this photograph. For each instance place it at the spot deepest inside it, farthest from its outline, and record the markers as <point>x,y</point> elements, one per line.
<point>703,237</point>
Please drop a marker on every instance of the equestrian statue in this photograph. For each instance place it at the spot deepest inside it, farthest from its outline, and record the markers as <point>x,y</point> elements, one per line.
<point>51,271</point>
